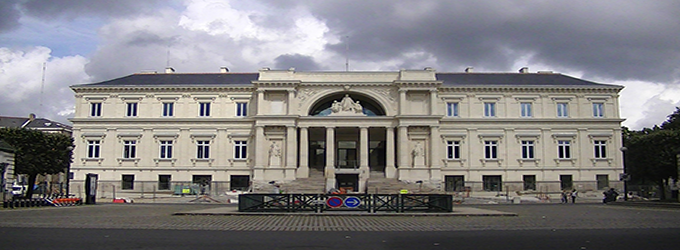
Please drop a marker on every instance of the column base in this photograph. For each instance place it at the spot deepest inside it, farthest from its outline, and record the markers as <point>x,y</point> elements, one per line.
<point>302,172</point>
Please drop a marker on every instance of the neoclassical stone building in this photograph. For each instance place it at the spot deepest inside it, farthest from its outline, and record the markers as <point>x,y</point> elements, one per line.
<point>491,132</point>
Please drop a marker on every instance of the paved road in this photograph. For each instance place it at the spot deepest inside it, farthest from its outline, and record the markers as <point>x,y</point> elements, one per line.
<point>152,226</point>
<point>156,216</point>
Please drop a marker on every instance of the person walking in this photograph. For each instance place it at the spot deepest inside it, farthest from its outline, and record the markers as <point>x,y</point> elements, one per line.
<point>564,196</point>
<point>574,194</point>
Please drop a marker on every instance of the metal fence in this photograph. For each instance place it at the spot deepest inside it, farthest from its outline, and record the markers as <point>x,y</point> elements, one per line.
<point>371,203</point>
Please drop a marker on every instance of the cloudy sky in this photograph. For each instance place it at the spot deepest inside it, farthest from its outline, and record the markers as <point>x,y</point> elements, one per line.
<point>630,43</point>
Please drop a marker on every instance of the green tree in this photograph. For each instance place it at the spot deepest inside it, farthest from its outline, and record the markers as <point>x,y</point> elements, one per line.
<point>673,122</point>
<point>38,153</point>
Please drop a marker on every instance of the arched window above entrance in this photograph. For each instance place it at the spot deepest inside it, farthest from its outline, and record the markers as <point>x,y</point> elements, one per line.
<point>346,104</point>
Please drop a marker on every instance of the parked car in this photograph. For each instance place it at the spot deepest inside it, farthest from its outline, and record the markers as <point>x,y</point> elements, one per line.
<point>18,190</point>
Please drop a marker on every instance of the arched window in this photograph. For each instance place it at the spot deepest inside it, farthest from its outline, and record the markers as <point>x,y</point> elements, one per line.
<point>368,105</point>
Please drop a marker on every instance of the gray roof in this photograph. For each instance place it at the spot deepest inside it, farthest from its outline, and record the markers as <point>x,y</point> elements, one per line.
<point>449,79</point>
<point>12,122</point>
<point>177,79</point>
<point>42,123</point>
<point>532,79</point>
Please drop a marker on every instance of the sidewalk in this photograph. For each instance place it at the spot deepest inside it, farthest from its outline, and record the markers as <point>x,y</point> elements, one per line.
<point>232,209</point>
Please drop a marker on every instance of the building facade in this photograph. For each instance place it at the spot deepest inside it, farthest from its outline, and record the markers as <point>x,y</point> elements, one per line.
<point>488,132</point>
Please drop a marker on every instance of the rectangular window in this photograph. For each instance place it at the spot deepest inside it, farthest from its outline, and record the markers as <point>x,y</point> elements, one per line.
<point>241,109</point>
<point>453,149</point>
<point>566,182</point>
<point>492,183</point>
<point>165,150</point>
<point>489,109</point>
<point>564,149</point>
<point>203,149</point>
<point>168,109</point>
<point>240,149</point>
<point>163,182</point>
<point>452,109</point>
<point>490,149</point>
<point>529,182</point>
<point>527,149</point>
<point>131,109</point>
<point>454,183</point>
<point>203,109</point>
<point>93,149</point>
<point>128,182</point>
<point>598,110</point>
<point>129,149</point>
<point>602,181</point>
<point>562,109</point>
<point>96,109</point>
<point>525,109</point>
<point>600,149</point>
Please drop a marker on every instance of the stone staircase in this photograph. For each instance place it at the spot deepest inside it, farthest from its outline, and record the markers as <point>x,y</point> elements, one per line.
<point>378,184</point>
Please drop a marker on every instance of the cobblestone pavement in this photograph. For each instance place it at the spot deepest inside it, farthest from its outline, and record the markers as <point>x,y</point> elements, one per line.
<point>159,216</point>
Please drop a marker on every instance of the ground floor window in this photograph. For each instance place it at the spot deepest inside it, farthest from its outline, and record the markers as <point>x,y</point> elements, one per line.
<point>128,182</point>
<point>492,183</point>
<point>602,181</point>
<point>164,182</point>
<point>529,182</point>
<point>239,182</point>
<point>566,182</point>
<point>454,183</point>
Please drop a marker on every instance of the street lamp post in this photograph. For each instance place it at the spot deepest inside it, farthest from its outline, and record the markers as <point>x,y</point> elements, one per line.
<point>624,177</point>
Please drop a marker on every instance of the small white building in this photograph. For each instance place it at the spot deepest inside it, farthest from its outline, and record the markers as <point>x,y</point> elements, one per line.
<point>489,132</point>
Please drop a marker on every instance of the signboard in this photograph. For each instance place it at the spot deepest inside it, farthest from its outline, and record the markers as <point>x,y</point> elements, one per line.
<point>334,201</point>
<point>352,202</point>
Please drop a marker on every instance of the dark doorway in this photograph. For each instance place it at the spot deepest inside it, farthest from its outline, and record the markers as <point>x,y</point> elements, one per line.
<point>203,181</point>
<point>454,183</point>
<point>239,182</point>
<point>348,182</point>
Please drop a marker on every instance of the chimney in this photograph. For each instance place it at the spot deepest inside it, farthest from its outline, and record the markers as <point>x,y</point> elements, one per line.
<point>224,70</point>
<point>31,117</point>
<point>469,69</point>
<point>524,70</point>
<point>169,70</point>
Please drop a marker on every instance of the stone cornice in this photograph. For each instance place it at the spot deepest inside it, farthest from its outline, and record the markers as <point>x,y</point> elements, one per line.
<point>533,89</point>
<point>160,88</point>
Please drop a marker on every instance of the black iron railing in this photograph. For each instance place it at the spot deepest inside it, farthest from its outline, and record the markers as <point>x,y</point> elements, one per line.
<point>371,203</point>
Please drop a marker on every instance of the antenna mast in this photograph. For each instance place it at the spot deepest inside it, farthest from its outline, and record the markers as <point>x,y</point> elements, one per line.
<point>42,86</point>
<point>347,53</point>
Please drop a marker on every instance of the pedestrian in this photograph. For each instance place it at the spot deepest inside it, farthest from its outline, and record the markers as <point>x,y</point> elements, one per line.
<point>564,196</point>
<point>574,194</point>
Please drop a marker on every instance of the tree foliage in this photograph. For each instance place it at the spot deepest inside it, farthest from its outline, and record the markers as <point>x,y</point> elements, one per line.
<point>38,153</point>
<point>652,154</point>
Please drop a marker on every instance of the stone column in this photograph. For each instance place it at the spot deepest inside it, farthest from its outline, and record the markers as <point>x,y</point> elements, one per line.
<point>402,101</point>
<point>303,170</point>
<point>291,152</point>
<point>435,160</point>
<point>402,152</point>
<point>390,169</point>
<point>260,101</point>
<point>329,171</point>
<point>291,97</point>
<point>363,147</point>
<point>259,154</point>
<point>433,101</point>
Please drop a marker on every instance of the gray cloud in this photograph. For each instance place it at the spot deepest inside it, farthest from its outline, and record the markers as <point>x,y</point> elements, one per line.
<point>9,15</point>
<point>613,40</point>
<point>297,61</point>
<point>75,8</point>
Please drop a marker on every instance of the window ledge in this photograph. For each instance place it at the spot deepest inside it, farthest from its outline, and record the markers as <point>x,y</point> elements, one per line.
<point>491,160</point>
<point>202,160</point>
<point>135,160</point>
<point>595,160</point>
<point>92,159</point>
<point>528,160</point>
<point>455,160</point>
<point>572,160</point>
<point>157,160</point>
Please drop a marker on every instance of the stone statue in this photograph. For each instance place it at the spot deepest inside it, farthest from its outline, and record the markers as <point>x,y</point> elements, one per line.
<point>418,155</point>
<point>346,106</point>
<point>274,154</point>
<point>417,150</point>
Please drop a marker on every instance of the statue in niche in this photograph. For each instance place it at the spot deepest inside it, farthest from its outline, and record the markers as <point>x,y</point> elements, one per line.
<point>418,155</point>
<point>274,154</point>
<point>346,106</point>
